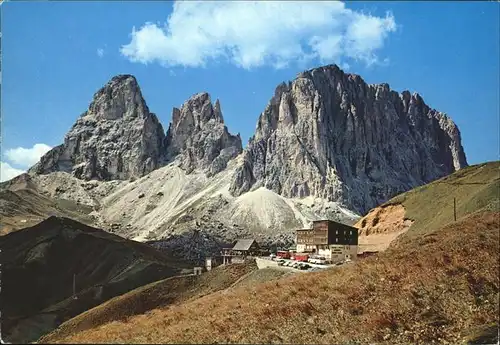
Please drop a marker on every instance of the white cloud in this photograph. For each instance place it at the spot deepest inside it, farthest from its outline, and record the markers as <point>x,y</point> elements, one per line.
<point>366,34</point>
<point>257,33</point>
<point>345,66</point>
<point>26,157</point>
<point>100,52</point>
<point>8,172</point>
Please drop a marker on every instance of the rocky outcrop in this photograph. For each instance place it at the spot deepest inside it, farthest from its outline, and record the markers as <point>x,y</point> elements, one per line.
<point>198,133</point>
<point>116,138</point>
<point>329,134</point>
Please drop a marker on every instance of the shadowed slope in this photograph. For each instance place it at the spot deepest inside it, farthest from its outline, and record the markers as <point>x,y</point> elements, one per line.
<point>38,264</point>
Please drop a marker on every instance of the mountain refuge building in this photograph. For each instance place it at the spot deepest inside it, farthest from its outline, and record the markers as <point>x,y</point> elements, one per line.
<point>333,240</point>
<point>243,249</point>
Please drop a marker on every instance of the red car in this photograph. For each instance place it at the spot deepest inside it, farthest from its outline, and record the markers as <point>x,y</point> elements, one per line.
<point>301,257</point>
<point>283,254</point>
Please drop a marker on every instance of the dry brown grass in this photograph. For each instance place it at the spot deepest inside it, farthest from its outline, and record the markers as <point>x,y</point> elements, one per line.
<point>163,293</point>
<point>260,276</point>
<point>438,288</point>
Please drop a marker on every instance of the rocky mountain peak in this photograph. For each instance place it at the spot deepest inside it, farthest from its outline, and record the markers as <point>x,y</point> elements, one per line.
<point>326,134</point>
<point>116,138</point>
<point>198,134</point>
<point>119,138</point>
<point>196,112</point>
<point>331,135</point>
<point>330,69</point>
<point>120,97</point>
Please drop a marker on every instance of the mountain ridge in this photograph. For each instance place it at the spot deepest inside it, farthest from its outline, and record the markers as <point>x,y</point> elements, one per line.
<point>309,117</point>
<point>327,145</point>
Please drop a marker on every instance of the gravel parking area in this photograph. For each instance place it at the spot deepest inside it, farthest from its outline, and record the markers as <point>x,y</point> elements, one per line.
<point>265,262</point>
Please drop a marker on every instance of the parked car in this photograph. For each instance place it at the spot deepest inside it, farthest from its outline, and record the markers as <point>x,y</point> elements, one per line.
<point>301,257</point>
<point>283,254</point>
<point>319,260</point>
<point>312,259</point>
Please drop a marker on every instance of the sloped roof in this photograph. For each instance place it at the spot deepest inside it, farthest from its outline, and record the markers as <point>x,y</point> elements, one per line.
<point>331,221</point>
<point>243,244</point>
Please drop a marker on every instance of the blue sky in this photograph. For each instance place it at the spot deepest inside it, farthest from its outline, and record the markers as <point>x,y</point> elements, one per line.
<point>56,55</point>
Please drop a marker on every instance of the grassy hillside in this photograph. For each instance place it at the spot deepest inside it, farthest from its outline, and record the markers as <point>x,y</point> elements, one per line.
<point>441,287</point>
<point>162,293</point>
<point>26,207</point>
<point>38,264</point>
<point>429,207</point>
<point>260,276</point>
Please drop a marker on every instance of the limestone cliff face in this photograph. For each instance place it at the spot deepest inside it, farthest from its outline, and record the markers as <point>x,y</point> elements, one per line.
<point>326,134</point>
<point>329,134</point>
<point>197,132</point>
<point>116,138</point>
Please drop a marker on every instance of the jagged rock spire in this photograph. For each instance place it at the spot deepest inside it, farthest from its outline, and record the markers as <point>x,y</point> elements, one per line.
<point>198,134</point>
<point>116,138</point>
